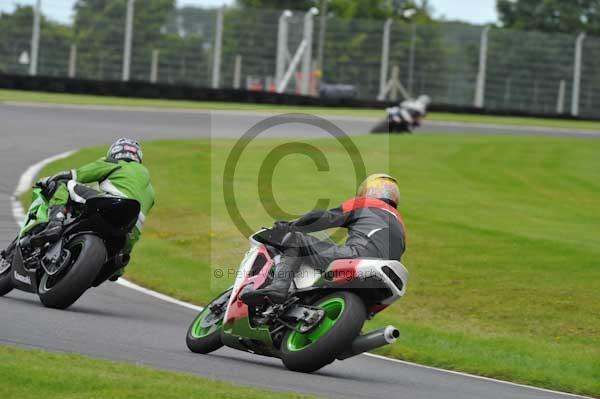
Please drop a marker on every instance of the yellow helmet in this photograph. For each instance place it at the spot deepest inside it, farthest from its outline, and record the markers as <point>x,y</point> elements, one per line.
<point>380,186</point>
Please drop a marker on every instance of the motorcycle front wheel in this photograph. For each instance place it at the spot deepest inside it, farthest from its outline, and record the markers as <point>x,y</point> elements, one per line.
<point>204,334</point>
<point>88,255</point>
<point>345,314</point>
<point>6,284</point>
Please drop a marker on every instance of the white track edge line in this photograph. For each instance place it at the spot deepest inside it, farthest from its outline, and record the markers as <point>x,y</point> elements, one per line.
<point>478,377</point>
<point>26,180</point>
<point>158,295</point>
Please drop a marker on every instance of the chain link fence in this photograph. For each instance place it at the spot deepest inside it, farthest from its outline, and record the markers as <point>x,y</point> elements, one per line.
<point>453,63</point>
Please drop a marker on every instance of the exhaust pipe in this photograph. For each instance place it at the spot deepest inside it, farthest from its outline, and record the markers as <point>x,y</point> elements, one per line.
<point>373,340</point>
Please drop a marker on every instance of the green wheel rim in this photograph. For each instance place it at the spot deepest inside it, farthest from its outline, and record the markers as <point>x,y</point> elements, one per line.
<point>200,332</point>
<point>333,308</point>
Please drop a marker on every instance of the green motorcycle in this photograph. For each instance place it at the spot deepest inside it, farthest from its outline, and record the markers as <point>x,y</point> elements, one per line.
<point>88,252</point>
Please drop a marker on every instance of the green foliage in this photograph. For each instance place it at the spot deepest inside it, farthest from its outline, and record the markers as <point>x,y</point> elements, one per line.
<point>15,39</point>
<point>30,374</point>
<point>551,15</point>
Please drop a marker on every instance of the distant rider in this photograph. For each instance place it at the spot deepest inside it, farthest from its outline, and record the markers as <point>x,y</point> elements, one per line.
<point>410,113</point>
<point>121,173</point>
<point>375,230</point>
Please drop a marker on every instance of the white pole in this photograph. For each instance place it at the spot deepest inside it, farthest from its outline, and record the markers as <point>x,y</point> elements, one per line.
<point>322,31</point>
<point>560,103</point>
<point>216,72</point>
<point>237,72</point>
<point>481,75</point>
<point>35,38</point>
<point>385,58</point>
<point>411,65</point>
<point>154,66</point>
<point>73,61</point>
<point>282,48</point>
<point>307,60</point>
<point>292,67</point>
<point>128,40</point>
<point>577,74</point>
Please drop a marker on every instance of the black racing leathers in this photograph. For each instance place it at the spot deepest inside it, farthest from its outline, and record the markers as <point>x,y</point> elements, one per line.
<point>375,230</point>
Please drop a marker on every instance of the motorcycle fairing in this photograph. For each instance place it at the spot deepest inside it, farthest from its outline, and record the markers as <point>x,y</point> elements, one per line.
<point>37,214</point>
<point>237,331</point>
<point>389,275</point>
<point>21,278</point>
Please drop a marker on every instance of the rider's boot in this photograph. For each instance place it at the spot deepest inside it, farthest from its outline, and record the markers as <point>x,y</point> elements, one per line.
<point>278,290</point>
<point>52,231</point>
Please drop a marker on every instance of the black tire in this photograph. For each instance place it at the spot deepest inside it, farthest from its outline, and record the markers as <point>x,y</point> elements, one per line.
<point>382,127</point>
<point>61,291</point>
<point>195,340</point>
<point>6,284</point>
<point>335,341</point>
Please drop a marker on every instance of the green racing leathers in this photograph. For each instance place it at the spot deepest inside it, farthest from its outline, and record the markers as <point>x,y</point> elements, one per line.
<point>120,178</point>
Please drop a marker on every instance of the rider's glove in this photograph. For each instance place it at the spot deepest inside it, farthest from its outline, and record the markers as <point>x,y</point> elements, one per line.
<point>282,227</point>
<point>49,185</point>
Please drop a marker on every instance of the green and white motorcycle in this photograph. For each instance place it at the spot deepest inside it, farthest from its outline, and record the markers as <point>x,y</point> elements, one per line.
<point>320,322</point>
<point>88,252</point>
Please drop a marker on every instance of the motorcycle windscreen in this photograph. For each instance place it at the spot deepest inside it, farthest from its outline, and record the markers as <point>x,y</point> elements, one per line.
<point>120,213</point>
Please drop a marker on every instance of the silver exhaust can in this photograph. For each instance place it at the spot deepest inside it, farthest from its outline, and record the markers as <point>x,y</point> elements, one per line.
<point>373,340</point>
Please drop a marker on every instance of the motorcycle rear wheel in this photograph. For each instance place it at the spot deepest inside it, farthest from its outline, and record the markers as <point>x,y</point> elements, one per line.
<point>61,291</point>
<point>206,339</point>
<point>382,127</point>
<point>308,352</point>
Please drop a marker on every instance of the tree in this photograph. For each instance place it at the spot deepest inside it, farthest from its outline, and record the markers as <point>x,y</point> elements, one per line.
<point>15,39</point>
<point>551,15</point>
<point>348,9</point>
<point>100,29</point>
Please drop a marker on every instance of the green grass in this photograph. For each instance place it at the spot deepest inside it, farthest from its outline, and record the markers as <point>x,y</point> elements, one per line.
<point>55,98</point>
<point>37,374</point>
<point>503,242</point>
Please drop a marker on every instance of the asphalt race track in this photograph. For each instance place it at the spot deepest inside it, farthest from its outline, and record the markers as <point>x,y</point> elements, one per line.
<point>118,323</point>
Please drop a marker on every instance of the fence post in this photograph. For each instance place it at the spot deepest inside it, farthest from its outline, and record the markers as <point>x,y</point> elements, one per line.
<point>411,65</point>
<point>577,74</point>
<point>560,102</point>
<point>481,75</point>
<point>322,32</point>
<point>154,66</point>
<point>128,40</point>
<point>73,61</point>
<point>35,38</point>
<point>282,48</point>
<point>385,58</point>
<point>307,60</point>
<point>216,72</point>
<point>237,72</point>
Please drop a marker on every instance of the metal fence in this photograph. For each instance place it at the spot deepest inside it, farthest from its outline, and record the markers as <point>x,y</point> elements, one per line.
<point>454,63</point>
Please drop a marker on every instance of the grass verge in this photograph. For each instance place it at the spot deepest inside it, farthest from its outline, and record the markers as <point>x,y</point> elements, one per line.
<point>77,99</point>
<point>503,242</point>
<point>36,374</point>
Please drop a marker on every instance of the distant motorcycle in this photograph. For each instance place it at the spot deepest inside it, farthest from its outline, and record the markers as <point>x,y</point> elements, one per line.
<point>320,322</point>
<point>88,252</point>
<point>405,117</point>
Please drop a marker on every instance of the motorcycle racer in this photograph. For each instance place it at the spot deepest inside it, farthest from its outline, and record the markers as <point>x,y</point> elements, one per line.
<point>375,230</point>
<point>121,173</point>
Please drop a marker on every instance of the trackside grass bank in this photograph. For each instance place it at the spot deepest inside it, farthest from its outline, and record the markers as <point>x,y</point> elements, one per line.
<point>76,99</point>
<point>28,374</point>
<point>503,241</point>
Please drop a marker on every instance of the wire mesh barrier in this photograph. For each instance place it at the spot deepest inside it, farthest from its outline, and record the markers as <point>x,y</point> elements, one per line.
<point>266,50</point>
